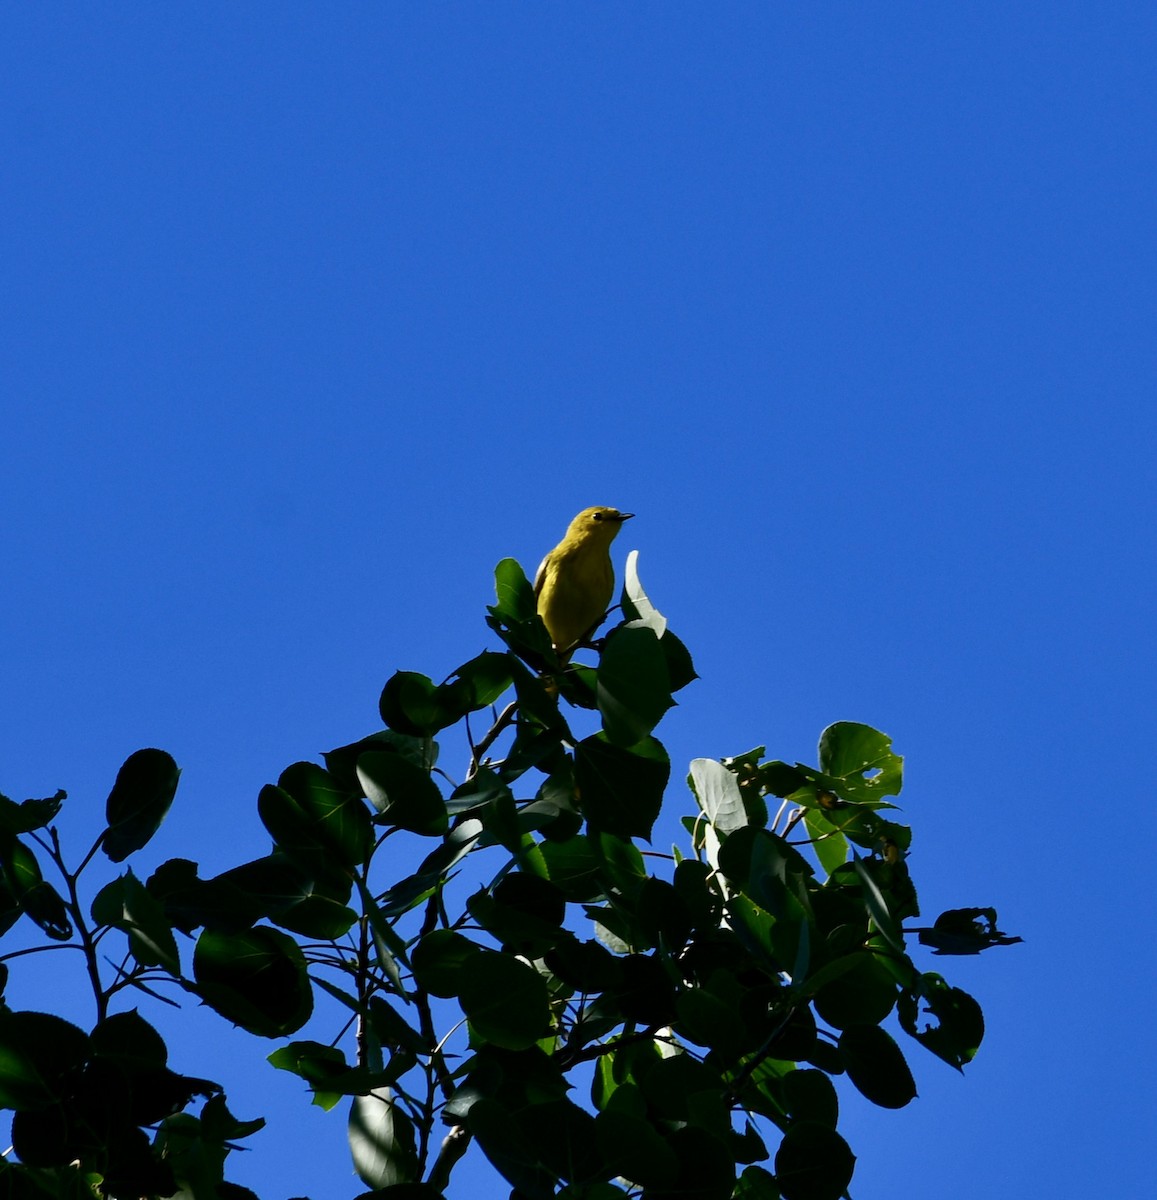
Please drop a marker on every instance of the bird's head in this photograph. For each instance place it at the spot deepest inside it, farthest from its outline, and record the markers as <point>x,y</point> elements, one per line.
<point>599,523</point>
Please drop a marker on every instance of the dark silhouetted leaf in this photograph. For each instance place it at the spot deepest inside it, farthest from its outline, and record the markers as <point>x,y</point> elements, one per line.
<point>511,1152</point>
<point>634,1149</point>
<point>505,1001</point>
<point>876,1065</point>
<point>813,1163</point>
<point>810,1096</point>
<point>38,1055</point>
<point>28,814</point>
<point>410,704</point>
<point>755,1184</point>
<point>256,979</point>
<point>965,931</point>
<point>573,866</point>
<point>439,959</point>
<point>621,790</point>
<point>339,819</point>
<point>862,994</point>
<point>633,689</point>
<point>403,794</point>
<point>960,1023</point>
<point>140,798</point>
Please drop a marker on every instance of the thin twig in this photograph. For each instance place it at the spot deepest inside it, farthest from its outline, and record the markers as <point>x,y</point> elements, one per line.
<point>504,719</point>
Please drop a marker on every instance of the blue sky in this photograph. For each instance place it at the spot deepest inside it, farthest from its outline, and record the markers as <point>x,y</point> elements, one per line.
<point>313,313</point>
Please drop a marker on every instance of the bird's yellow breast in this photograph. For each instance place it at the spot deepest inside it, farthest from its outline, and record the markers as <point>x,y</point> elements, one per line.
<point>576,580</point>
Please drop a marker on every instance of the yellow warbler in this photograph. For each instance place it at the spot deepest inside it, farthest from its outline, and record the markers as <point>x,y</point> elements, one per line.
<point>575,581</point>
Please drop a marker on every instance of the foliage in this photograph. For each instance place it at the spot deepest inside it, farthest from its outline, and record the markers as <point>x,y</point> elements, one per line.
<point>596,1017</point>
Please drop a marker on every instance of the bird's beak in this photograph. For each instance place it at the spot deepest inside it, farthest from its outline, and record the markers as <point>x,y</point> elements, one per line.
<point>625,516</point>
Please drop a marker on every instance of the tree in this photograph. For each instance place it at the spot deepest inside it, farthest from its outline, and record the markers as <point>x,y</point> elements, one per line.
<point>696,1003</point>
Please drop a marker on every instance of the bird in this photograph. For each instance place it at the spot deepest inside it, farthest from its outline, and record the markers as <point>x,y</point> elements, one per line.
<point>575,581</point>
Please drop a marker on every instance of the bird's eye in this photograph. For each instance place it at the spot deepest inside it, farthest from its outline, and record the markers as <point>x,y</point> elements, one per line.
<point>596,516</point>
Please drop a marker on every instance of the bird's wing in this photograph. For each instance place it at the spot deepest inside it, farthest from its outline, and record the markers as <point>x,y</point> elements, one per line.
<point>540,575</point>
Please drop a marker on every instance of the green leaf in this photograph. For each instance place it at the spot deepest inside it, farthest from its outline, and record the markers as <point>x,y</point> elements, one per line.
<point>143,919</point>
<point>635,602</point>
<point>46,907</point>
<point>960,1028</point>
<point>342,762</point>
<point>256,979</point>
<point>662,915</point>
<point>676,1086</point>
<point>190,902</point>
<point>316,917</point>
<point>638,609</point>
<point>515,594</point>
<point>221,1125</point>
<point>877,907</point>
<point>477,793</point>
<point>756,1184</point>
<point>770,872</point>
<point>783,780</point>
<point>407,894</point>
<point>707,1020</point>
<point>381,1139</point>
<point>325,1070</point>
<point>505,1000</point>
<point>9,915</point>
<point>140,798</point>
<point>21,870</point>
<point>861,759</point>
<point>401,1191</point>
<point>862,994</point>
<point>523,912</point>
<point>813,1163</point>
<point>717,790</point>
<point>39,1056</point>
<point>404,794</point>
<point>410,704</point>
<point>477,683</point>
<point>584,965</point>
<point>392,1030</point>
<point>876,1065</point>
<point>633,689</point>
<point>268,887</point>
<point>515,617</point>
<point>810,1096</point>
<point>302,837</point>
<point>574,866</point>
<point>130,1040</point>
<point>831,847</point>
<point>459,842</point>
<point>388,944</point>
<point>621,790</point>
<point>339,819</point>
<point>509,1150</point>
<point>564,1137</point>
<point>29,814</point>
<point>622,864</point>
<point>706,1165</point>
<point>635,1150</point>
<point>23,882</point>
<point>965,931</point>
<point>439,960</point>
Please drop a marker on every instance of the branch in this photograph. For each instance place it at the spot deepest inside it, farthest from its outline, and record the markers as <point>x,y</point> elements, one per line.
<point>454,1145</point>
<point>87,941</point>
<point>567,1058</point>
<point>505,718</point>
